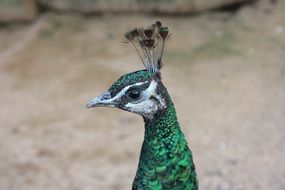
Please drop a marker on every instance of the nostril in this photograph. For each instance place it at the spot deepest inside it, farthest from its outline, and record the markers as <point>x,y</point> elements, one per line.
<point>105,96</point>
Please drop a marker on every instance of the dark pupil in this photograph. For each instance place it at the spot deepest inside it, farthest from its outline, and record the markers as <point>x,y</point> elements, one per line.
<point>135,95</point>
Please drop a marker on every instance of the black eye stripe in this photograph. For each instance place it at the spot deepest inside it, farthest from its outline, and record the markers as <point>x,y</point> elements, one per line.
<point>140,87</point>
<point>134,94</point>
<point>124,98</point>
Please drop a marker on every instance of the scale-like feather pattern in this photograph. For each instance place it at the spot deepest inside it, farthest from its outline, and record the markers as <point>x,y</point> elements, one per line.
<point>166,161</point>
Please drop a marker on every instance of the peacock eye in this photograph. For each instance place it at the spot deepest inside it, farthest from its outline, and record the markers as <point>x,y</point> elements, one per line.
<point>134,95</point>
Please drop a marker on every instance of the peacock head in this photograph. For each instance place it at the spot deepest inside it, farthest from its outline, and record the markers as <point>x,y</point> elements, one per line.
<point>140,92</point>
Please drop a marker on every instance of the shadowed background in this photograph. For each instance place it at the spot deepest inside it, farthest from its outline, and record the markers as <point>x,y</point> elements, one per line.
<point>224,68</point>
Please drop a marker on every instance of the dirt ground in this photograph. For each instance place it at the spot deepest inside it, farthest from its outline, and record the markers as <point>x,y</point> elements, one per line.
<point>225,73</point>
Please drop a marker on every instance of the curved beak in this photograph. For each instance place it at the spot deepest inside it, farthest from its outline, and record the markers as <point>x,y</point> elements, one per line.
<point>104,100</point>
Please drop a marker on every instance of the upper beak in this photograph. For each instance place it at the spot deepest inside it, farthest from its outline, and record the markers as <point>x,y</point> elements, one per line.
<point>104,100</point>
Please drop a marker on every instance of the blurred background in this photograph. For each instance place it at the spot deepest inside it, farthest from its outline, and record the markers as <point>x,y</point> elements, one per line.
<point>224,68</point>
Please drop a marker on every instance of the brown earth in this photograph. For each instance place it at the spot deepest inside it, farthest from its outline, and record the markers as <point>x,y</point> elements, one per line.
<point>225,73</point>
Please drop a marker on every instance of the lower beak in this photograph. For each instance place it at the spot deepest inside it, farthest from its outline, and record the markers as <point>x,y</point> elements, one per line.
<point>104,100</point>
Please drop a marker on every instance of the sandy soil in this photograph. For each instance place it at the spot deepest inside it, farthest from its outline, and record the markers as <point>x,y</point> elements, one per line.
<point>226,74</point>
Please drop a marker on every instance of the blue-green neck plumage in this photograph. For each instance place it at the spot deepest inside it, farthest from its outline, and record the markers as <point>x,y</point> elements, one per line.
<point>165,161</point>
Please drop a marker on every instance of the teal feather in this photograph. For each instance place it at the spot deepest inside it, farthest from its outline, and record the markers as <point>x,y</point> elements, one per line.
<point>165,161</point>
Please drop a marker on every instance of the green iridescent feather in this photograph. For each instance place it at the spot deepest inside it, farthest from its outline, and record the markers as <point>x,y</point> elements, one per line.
<point>131,78</point>
<point>165,161</point>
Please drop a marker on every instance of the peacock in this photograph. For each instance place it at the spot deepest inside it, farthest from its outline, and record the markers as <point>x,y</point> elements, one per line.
<point>165,161</point>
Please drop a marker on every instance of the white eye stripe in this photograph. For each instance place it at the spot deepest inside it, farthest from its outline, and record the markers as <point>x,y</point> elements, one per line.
<point>149,91</point>
<point>152,87</point>
<point>123,91</point>
<point>146,106</point>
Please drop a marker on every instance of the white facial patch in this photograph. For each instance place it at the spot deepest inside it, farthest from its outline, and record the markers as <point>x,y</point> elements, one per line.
<point>148,105</point>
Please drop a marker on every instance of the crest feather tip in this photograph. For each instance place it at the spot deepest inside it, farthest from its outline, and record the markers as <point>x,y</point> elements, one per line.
<point>149,44</point>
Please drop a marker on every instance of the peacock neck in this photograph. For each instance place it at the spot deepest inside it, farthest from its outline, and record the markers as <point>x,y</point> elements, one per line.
<point>165,160</point>
<point>164,129</point>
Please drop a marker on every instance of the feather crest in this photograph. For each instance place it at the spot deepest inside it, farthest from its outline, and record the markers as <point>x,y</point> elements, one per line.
<point>149,44</point>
